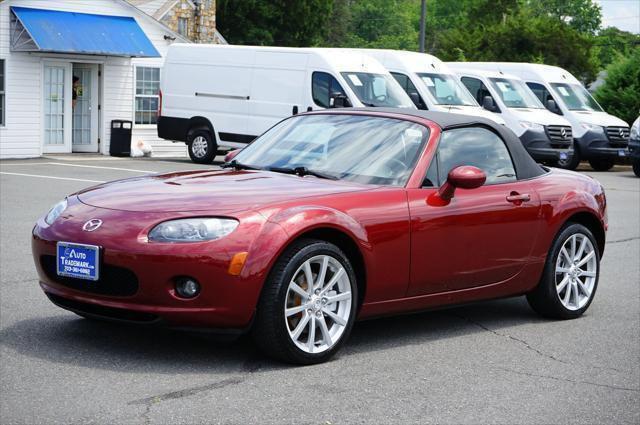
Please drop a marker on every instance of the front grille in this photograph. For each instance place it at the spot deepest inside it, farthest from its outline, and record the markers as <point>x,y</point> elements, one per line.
<point>618,136</point>
<point>116,281</point>
<point>560,135</point>
<point>102,311</point>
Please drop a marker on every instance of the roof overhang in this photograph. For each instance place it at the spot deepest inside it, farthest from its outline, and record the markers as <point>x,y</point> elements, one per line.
<point>54,31</point>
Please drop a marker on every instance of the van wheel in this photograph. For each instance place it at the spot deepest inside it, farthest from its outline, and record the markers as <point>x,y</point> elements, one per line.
<point>601,164</point>
<point>202,148</point>
<point>636,167</point>
<point>570,163</point>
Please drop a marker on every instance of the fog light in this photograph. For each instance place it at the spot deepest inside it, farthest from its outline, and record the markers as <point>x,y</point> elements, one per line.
<point>187,287</point>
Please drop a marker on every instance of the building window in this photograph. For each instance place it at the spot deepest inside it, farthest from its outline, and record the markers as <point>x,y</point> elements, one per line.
<point>147,88</point>
<point>183,26</point>
<point>2,85</point>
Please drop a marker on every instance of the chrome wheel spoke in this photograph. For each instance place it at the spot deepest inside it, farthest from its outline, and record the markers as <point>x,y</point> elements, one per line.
<point>340,297</point>
<point>588,274</point>
<point>294,310</point>
<point>337,319</point>
<point>581,249</point>
<point>567,294</point>
<point>562,284</point>
<point>333,281</point>
<point>323,273</point>
<point>300,327</point>
<point>308,275</point>
<point>311,343</point>
<point>576,271</point>
<point>586,258</point>
<point>298,290</point>
<point>326,336</point>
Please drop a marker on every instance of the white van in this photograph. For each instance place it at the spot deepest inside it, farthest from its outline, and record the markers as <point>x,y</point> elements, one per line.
<point>429,82</point>
<point>218,95</point>
<point>599,137</point>
<point>546,136</point>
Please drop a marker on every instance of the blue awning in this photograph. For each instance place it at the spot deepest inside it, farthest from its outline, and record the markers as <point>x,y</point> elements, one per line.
<point>41,30</point>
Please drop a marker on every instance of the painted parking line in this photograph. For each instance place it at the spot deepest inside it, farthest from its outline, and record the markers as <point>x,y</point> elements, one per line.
<point>84,166</point>
<point>51,177</point>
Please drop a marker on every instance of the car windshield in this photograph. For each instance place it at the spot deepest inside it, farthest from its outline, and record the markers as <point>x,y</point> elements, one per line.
<point>515,94</point>
<point>377,90</point>
<point>446,90</point>
<point>362,149</point>
<point>576,97</point>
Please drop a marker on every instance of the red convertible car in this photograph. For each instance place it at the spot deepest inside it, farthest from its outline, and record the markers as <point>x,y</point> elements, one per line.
<point>327,218</point>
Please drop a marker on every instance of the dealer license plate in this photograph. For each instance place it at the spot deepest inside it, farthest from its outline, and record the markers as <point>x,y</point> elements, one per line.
<point>78,260</point>
<point>563,155</point>
<point>621,152</point>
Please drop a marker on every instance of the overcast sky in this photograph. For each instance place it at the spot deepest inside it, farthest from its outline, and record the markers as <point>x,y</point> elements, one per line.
<point>624,14</point>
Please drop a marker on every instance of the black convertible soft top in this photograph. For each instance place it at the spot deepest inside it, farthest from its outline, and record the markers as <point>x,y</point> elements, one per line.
<point>525,166</point>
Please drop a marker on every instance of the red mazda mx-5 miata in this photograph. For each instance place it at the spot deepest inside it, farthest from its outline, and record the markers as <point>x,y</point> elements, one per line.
<point>326,218</point>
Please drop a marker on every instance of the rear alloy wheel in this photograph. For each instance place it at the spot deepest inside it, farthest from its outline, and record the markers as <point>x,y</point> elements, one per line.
<point>601,164</point>
<point>570,277</point>
<point>307,309</point>
<point>202,148</point>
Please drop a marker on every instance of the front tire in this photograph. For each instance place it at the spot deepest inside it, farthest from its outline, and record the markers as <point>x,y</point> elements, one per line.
<point>570,163</point>
<point>201,146</point>
<point>570,277</point>
<point>601,164</point>
<point>636,167</point>
<point>308,305</point>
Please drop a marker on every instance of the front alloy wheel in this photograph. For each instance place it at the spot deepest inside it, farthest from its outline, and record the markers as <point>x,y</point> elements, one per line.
<point>307,307</point>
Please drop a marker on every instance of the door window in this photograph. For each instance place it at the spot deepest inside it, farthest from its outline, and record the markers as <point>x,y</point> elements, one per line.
<point>476,88</point>
<point>478,147</point>
<point>147,95</point>
<point>54,88</point>
<point>322,85</point>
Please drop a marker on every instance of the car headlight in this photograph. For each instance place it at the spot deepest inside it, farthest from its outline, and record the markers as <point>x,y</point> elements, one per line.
<point>192,230</point>
<point>55,211</point>
<point>592,127</point>
<point>532,125</point>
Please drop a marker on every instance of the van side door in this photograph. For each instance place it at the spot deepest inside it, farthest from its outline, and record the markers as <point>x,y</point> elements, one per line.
<point>479,90</point>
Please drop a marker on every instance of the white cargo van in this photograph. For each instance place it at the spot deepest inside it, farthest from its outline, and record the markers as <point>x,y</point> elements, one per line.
<point>218,95</point>
<point>599,137</point>
<point>546,136</point>
<point>429,82</point>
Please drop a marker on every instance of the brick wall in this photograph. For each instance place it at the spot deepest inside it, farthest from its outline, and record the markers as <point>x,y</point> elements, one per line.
<point>201,21</point>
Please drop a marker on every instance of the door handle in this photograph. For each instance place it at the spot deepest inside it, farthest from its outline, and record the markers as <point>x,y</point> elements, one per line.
<point>517,198</point>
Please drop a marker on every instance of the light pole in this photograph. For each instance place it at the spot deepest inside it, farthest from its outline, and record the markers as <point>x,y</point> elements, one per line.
<point>423,17</point>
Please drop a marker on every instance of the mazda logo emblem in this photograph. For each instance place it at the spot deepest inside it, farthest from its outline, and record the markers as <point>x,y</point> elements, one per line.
<point>91,225</point>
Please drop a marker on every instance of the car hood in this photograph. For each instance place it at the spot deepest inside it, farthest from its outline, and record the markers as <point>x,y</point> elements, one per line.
<point>539,116</point>
<point>216,192</point>
<point>600,118</point>
<point>475,111</point>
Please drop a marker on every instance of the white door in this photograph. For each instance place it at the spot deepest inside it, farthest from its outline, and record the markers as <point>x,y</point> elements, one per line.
<point>56,107</point>
<point>85,108</point>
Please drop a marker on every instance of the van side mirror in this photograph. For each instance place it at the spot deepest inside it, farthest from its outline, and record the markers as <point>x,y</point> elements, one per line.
<point>338,100</point>
<point>489,104</point>
<point>415,98</point>
<point>464,177</point>
<point>232,154</point>
<point>553,106</point>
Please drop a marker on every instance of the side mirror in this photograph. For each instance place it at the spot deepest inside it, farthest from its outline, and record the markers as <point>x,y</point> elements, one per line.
<point>415,98</point>
<point>338,100</point>
<point>488,104</point>
<point>228,157</point>
<point>553,106</point>
<point>464,177</point>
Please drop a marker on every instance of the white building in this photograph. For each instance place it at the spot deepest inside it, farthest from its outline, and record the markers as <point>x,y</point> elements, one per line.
<point>112,48</point>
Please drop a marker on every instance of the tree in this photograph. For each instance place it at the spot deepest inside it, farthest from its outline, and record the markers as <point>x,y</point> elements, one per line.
<point>273,22</point>
<point>612,44</point>
<point>620,93</point>
<point>584,16</point>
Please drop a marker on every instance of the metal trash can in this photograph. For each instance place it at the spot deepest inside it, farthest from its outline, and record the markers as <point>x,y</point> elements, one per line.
<point>120,138</point>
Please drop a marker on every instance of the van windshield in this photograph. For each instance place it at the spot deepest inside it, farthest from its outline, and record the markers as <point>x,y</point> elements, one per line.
<point>377,90</point>
<point>515,94</point>
<point>446,90</point>
<point>576,97</point>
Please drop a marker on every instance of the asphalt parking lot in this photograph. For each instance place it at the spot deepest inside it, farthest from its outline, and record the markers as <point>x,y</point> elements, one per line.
<point>494,362</point>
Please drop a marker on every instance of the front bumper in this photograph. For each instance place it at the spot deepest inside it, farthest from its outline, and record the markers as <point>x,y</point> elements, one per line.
<point>596,145</point>
<point>541,148</point>
<point>634,150</point>
<point>137,278</point>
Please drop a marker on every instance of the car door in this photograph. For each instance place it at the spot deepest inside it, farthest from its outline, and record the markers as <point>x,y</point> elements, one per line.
<point>482,236</point>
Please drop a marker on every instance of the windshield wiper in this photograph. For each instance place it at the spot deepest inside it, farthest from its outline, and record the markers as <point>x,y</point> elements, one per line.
<point>239,166</point>
<point>302,171</point>
<point>373,105</point>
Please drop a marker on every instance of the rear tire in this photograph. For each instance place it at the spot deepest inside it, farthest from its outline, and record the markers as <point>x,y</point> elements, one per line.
<point>570,163</point>
<point>303,324</point>
<point>601,164</point>
<point>570,277</point>
<point>201,146</point>
<point>636,167</point>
